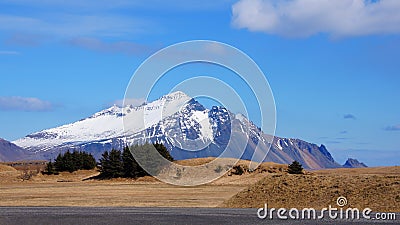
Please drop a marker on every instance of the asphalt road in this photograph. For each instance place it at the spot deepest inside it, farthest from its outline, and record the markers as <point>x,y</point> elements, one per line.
<point>123,215</point>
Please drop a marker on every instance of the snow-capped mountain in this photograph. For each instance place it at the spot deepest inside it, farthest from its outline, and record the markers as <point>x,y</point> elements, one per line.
<point>106,124</point>
<point>186,127</point>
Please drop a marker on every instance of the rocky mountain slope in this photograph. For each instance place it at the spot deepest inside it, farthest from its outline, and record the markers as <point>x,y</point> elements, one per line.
<point>353,163</point>
<point>186,127</point>
<point>11,152</point>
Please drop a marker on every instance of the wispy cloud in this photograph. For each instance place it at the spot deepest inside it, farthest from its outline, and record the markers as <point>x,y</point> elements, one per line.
<point>17,103</point>
<point>349,116</point>
<point>303,18</point>
<point>129,101</point>
<point>98,32</point>
<point>342,138</point>
<point>110,47</point>
<point>333,142</point>
<point>90,5</point>
<point>393,128</point>
<point>9,52</point>
<point>98,25</point>
<point>71,25</point>
<point>93,18</point>
<point>21,39</point>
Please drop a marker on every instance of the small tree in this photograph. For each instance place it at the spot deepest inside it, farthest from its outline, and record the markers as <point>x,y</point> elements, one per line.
<point>153,161</point>
<point>116,164</point>
<point>59,163</point>
<point>131,167</point>
<point>77,160</point>
<point>104,164</point>
<point>111,165</point>
<point>295,168</point>
<point>88,161</point>
<point>163,151</point>
<point>50,169</point>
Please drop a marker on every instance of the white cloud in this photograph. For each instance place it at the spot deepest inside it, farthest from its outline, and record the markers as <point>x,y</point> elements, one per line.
<point>303,18</point>
<point>17,103</point>
<point>129,101</point>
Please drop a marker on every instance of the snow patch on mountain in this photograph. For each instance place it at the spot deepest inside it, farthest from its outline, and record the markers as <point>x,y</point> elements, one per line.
<point>106,124</point>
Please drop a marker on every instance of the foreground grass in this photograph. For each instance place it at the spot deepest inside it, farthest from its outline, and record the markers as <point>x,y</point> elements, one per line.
<point>70,189</point>
<point>113,194</point>
<point>375,188</point>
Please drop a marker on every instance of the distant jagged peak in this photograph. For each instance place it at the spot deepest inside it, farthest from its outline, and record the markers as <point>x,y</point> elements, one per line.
<point>353,163</point>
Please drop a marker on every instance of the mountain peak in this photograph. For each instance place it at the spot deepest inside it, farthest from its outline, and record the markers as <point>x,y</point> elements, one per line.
<point>175,95</point>
<point>354,163</point>
<point>10,151</point>
<point>113,110</point>
<point>182,124</point>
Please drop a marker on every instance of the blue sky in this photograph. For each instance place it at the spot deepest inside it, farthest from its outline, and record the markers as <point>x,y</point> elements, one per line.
<point>333,66</point>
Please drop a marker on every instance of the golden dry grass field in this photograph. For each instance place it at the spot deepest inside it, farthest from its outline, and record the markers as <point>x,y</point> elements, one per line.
<point>376,188</point>
<point>73,189</point>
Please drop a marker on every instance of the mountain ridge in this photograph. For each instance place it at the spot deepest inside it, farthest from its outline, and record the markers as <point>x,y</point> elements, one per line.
<point>11,152</point>
<point>181,123</point>
<point>354,163</point>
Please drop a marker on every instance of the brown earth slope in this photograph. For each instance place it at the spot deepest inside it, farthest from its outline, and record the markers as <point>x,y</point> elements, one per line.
<point>376,188</point>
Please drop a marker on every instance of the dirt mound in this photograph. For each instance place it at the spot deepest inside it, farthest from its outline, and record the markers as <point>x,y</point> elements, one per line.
<point>266,167</point>
<point>378,192</point>
<point>243,165</point>
<point>242,175</point>
<point>195,162</point>
<point>395,170</point>
<point>75,176</point>
<point>8,174</point>
<point>240,172</point>
<point>5,168</point>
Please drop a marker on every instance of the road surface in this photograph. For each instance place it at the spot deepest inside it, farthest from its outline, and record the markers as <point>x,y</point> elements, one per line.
<point>126,215</point>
